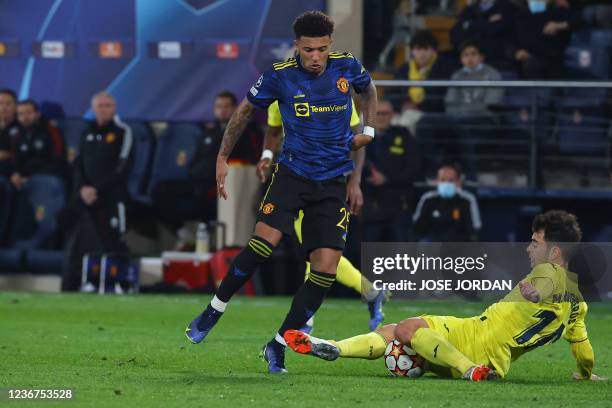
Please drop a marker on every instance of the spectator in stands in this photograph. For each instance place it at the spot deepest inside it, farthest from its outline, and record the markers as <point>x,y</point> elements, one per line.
<point>392,165</point>
<point>449,213</point>
<point>426,63</point>
<point>541,35</point>
<point>9,129</point>
<point>198,194</point>
<point>100,189</point>
<point>463,102</point>
<point>39,146</point>
<point>490,23</point>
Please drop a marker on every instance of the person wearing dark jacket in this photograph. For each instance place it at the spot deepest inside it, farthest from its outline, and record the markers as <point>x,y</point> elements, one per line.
<point>541,35</point>
<point>198,194</point>
<point>392,165</point>
<point>100,189</point>
<point>9,130</point>
<point>449,213</point>
<point>489,22</point>
<point>38,147</point>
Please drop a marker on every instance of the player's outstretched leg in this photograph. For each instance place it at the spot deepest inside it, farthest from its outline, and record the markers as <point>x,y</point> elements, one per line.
<point>436,349</point>
<point>242,268</point>
<point>368,346</point>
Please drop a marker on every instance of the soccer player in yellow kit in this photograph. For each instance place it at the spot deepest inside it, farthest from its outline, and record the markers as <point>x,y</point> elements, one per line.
<point>346,273</point>
<point>545,306</point>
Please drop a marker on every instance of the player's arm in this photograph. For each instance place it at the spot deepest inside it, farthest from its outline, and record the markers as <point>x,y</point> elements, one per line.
<point>354,195</point>
<point>233,131</point>
<point>273,140</point>
<point>577,336</point>
<point>369,107</point>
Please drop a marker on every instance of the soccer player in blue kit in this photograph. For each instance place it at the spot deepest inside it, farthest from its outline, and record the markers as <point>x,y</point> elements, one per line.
<point>313,91</point>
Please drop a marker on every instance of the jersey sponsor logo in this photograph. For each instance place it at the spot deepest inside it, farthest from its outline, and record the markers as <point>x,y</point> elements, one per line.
<point>329,108</point>
<point>302,109</point>
<point>268,208</point>
<point>343,85</point>
<point>110,137</point>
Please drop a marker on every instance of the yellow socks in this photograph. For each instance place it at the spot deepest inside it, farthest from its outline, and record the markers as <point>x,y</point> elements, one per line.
<point>369,346</point>
<point>434,348</point>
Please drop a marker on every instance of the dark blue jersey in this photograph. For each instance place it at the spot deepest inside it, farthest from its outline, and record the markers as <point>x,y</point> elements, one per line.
<point>316,112</point>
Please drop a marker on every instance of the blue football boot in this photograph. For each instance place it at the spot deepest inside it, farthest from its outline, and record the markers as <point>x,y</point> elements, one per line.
<point>274,354</point>
<point>200,326</point>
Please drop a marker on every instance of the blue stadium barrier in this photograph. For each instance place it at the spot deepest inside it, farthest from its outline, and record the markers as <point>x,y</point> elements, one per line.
<point>175,149</point>
<point>143,150</point>
<point>44,261</point>
<point>12,260</point>
<point>583,131</point>
<point>71,130</point>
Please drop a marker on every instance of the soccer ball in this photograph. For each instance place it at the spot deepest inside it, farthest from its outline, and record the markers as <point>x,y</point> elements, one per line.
<point>402,361</point>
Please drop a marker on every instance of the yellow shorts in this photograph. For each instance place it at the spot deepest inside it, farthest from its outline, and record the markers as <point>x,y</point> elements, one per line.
<point>465,334</point>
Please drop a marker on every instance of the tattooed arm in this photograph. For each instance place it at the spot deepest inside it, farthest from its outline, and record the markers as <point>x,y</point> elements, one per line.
<point>369,107</point>
<point>233,131</point>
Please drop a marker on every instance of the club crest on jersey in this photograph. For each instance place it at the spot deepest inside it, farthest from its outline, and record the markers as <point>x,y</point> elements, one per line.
<point>302,109</point>
<point>343,85</point>
<point>110,137</point>
<point>268,208</point>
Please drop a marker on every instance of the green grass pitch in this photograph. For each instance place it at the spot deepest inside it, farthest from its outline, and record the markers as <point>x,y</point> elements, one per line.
<point>131,351</point>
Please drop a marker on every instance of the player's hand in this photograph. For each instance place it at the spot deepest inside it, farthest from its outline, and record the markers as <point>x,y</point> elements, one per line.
<point>376,178</point>
<point>262,168</point>
<point>529,292</point>
<point>360,140</point>
<point>594,377</point>
<point>222,169</point>
<point>354,196</point>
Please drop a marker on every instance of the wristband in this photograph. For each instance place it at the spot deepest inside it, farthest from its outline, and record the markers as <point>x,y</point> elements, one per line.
<point>267,154</point>
<point>369,130</point>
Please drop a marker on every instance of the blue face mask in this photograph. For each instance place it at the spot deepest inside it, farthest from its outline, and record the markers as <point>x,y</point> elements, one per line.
<point>537,6</point>
<point>477,68</point>
<point>446,189</point>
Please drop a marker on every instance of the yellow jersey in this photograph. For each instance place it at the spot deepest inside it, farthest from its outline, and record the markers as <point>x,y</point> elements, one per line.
<point>514,325</point>
<point>275,119</point>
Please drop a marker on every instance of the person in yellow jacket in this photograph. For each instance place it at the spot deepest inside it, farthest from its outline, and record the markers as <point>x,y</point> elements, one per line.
<point>347,274</point>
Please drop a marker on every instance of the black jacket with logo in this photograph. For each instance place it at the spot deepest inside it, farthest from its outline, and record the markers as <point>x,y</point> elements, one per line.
<point>396,155</point>
<point>456,219</point>
<point>105,157</point>
<point>39,149</point>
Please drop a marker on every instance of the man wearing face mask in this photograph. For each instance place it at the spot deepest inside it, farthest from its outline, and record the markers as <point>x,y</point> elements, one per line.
<point>490,22</point>
<point>449,213</point>
<point>392,165</point>
<point>541,35</point>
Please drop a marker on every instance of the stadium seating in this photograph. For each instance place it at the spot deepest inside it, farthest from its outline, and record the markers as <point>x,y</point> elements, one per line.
<point>583,131</point>
<point>144,148</point>
<point>175,148</point>
<point>589,55</point>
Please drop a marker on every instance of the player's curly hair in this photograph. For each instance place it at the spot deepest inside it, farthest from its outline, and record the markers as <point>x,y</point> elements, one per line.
<point>313,24</point>
<point>558,226</point>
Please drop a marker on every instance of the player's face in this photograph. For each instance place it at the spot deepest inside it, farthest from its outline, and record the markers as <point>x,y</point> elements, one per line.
<point>471,57</point>
<point>423,56</point>
<point>224,108</point>
<point>7,108</point>
<point>537,249</point>
<point>104,108</point>
<point>27,115</point>
<point>313,52</point>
